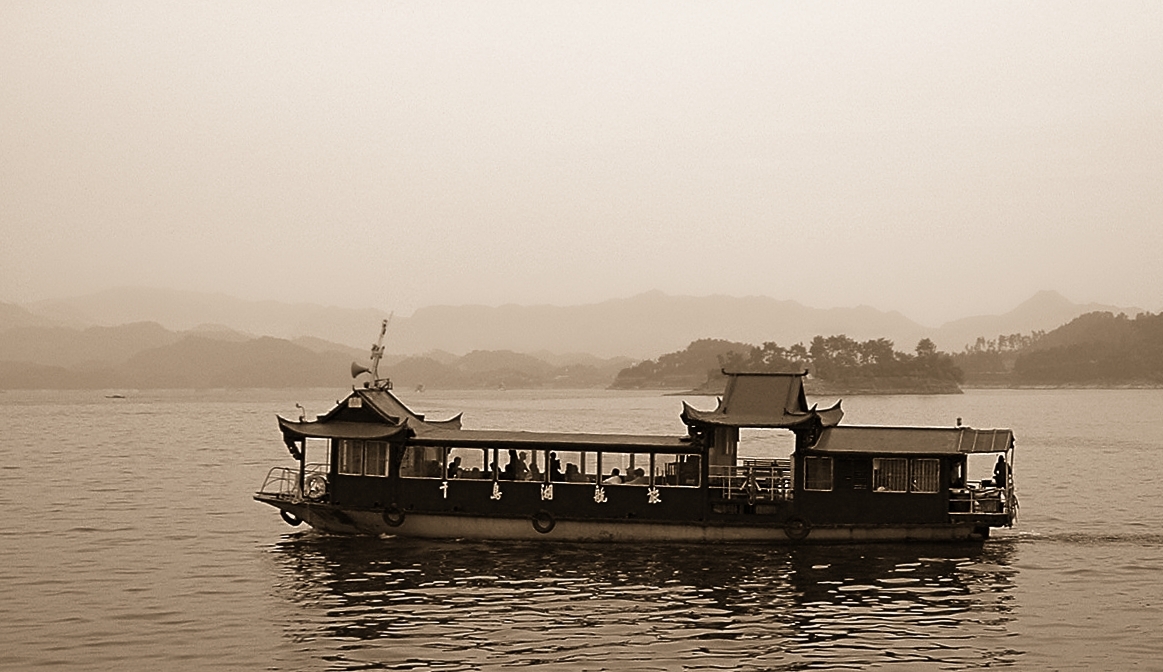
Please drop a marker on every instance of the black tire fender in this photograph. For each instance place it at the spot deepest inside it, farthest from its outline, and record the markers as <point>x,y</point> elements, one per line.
<point>393,516</point>
<point>797,528</point>
<point>290,518</point>
<point>544,522</point>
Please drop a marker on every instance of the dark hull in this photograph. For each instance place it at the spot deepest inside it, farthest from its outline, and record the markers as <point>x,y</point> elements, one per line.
<point>544,525</point>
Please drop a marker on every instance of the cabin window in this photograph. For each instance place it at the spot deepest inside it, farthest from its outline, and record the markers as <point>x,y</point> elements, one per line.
<point>625,469</point>
<point>818,473</point>
<point>890,474</point>
<point>351,457</point>
<point>422,462</point>
<point>926,475</point>
<point>468,463</point>
<point>577,467</point>
<point>375,458</point>
<point>363,458</point>
<point>516,465</point>
<point>679,470</point>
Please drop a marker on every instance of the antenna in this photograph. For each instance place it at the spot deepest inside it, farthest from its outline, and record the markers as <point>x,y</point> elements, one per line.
<point>377,354</point>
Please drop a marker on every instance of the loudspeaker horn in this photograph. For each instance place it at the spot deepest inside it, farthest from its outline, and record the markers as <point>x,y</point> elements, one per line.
<point>357,368</point>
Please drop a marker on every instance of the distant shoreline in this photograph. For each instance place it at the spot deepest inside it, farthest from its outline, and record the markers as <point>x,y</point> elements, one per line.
<point>1065,386</point>
<point>852,388</point>
<point>812,389</point>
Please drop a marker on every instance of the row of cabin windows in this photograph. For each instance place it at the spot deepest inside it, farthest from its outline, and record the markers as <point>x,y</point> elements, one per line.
<point>370,458</point>
<point>889,474</point>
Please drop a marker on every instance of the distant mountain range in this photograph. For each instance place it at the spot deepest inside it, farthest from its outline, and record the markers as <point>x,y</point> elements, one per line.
<point>145,355</point>
<point>150,338</point>
<point>639,327</point>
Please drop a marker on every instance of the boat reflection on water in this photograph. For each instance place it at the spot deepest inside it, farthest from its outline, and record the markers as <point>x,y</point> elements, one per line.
<point>359,603</point>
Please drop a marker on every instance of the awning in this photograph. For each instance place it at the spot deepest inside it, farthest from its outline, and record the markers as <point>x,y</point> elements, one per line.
<point>913,440</point>
<point>471,438</point>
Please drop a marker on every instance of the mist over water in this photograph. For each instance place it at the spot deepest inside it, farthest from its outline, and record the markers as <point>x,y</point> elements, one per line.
<point>131,542</point>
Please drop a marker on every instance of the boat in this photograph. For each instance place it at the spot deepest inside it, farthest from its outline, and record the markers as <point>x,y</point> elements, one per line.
<point>383,469</point>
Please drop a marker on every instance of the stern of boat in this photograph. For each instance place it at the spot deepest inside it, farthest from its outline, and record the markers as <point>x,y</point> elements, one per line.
<point>296,503</point>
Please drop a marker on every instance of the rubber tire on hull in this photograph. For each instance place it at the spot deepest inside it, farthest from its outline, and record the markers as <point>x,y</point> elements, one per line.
<point>290,519</point>
<point>797,528</point>
<point>544,522</point>
<point>393,516</point>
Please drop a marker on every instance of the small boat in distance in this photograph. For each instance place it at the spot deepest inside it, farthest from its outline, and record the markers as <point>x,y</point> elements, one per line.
<point>384,469</point>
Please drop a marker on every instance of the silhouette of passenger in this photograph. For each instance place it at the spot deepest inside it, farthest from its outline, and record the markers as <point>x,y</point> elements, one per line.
<point>555,468</point>
<point>521,471</point>
<point>510,472</point>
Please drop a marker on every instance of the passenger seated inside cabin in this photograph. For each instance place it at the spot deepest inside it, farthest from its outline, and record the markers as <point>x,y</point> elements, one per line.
<point>475,472</point>
<point>615,478</point>
<point>999,472</point>
<point>534,473</point>
<point>454,467</point>
<point>573,474</point>
<point>640,477</point>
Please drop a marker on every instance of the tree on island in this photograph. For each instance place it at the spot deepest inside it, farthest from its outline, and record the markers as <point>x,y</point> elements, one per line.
<point>837,359</point>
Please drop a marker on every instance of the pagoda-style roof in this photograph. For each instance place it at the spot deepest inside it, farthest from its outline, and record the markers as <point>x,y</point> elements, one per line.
<point>764,400</point>
<point>368,413</point>
<point>339,429</point>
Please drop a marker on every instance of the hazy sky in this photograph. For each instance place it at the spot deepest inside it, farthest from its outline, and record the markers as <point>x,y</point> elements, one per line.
<point>939,159</point>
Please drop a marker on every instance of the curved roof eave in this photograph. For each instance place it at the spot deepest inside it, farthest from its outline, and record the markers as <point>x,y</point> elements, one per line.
<point>294,430</point>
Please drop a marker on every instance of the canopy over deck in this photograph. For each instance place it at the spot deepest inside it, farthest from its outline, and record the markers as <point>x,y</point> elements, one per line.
<point>913,440</point>
<point>554,441</point>
<point>765,400</point>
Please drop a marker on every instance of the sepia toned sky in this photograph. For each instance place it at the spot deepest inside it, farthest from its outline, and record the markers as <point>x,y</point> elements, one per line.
<point>939,159</point>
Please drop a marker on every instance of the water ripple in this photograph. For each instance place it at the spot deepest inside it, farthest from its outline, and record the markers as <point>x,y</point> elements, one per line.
<point>472,606</point>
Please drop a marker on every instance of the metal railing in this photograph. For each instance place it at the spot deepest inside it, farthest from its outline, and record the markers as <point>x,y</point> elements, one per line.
<point>977,501</point>
<point>754,480</point>
<point>284,481</point>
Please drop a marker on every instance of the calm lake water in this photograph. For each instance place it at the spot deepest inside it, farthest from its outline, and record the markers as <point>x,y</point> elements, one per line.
<point>130,541</point>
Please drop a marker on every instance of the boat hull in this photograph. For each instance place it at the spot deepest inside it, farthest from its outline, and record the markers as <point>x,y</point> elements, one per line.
<point>543,526</point>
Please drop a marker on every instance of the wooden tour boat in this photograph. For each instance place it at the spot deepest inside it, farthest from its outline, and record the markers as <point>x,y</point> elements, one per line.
<point>389,470</point>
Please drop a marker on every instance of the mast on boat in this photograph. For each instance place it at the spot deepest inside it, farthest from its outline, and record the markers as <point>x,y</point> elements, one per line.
<point>377,355</point>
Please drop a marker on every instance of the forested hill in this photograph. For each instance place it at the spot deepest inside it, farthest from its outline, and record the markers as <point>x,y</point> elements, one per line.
<point>838,364</point>
<point>1095,349</point>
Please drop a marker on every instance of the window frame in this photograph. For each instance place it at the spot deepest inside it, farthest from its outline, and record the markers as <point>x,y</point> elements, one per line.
<point>895,480</point>
<point>932,477</point>
<point>352,457</point>
<point>811,479</point>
